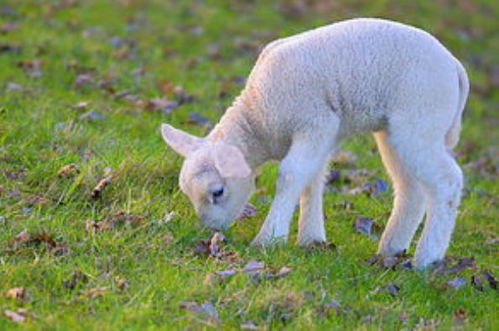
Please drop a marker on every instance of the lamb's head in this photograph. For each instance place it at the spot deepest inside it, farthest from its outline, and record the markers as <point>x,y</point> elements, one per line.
<point>215,176</point>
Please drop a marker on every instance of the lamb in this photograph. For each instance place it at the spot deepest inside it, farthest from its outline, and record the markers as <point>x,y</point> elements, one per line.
<point>306,94</point>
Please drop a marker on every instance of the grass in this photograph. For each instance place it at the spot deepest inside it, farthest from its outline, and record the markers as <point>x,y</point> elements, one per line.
<point>139,273</point>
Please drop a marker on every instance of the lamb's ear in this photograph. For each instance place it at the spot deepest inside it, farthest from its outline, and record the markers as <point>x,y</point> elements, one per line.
<point>230,162</point>
<point>181,142</point>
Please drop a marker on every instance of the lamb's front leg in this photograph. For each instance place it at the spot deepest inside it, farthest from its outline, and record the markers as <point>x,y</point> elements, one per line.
<point>311,224</point>
<point>302,163</point>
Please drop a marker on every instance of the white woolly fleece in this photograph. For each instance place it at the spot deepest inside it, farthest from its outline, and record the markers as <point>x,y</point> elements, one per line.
<point>309,91</point>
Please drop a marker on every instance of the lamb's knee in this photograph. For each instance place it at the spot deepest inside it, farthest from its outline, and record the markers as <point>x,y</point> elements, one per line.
<point>450,187</point>
<point>445,183</point>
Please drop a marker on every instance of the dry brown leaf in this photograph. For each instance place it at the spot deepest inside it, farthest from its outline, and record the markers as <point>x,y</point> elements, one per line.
<point>219,276</point>
<point>8,26</point>
<point>163,105</point>
<point>248,211</point>
<point>460,315</point>
<point>97,191</point>
<point>95,292</point>
<point>457,282</point>
<point>83,79</point>
<point>18,316</point>
<point>254,267</point>
<point>206,309</point>
<point>68,171</point>
<point>8,47</point>
<point>445,267</point>
<point>77,277</point>
<point>390,288</point>
<point>113,220</point>
<point>32,68</point>
<point>19,293</point>
<point>122,283</point>
<point>214,248</point>
<point>24,238</point>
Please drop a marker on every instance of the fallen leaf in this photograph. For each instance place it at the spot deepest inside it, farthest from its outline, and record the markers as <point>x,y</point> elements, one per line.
<point>122,283</point>
<point>457,282</point>
<point>77,277</point>
<point>116,41</point>
<point>460,315</point>
<point>376,186</point>
<point>284,271</point>
<point>248,211</point>
<point>206,309</point>
<point>17,317</point>
<point>333,176</point>
<point>83,79</point>
<point>293,9</point>
<point>249,325</point>
<point>75,66</point>
<point>24,238</point>
<point>492,241</point>
<point>366,225</point>
<point>14,48</point>
<point>224,274</point>
<point>92,115</point>
<point>113,220</point>
<point>181,95</point>
<point>32,68</point>
<point>219,276</point>
<point>332,304</point>
<point>68,171</point>
<point>168,238</point>
<point>345,158</point>
<point>403,316</point>
<point>214,248</point>
<point>402,259</point>
<point>491,279</point>
<point>390,288</point>
<point>14,87</point>
<point>477,283</point>
<point>161,104</point>
<point>254,267</point>
<point>19,293</point>
<point>8,26</point>
<point>95,292</point>
<point>97,191</point>
<point>198,119</point>
<point>444,268</point>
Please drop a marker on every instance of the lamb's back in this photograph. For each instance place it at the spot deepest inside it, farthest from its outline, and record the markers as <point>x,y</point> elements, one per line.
<point>361,69</point>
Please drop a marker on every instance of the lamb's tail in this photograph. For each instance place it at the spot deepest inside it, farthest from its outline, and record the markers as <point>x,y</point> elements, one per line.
<point>452,136</point>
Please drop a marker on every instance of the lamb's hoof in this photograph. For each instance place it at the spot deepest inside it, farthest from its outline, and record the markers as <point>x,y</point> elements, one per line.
<point>319,246</point>
<point>426,262</point>
<point>312,241</point>
<point>388,250</point>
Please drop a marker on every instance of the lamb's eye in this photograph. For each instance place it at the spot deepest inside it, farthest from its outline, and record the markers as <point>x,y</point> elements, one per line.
<point>218,193</point>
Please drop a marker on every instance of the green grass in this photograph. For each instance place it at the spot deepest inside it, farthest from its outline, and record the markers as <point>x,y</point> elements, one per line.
<point>41,131</point>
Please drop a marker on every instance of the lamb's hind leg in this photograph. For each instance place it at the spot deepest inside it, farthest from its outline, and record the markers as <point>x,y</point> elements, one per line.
<point>426,158</point>
<point>409,203</point>
<point>443,181</point>
<point>311,224</point>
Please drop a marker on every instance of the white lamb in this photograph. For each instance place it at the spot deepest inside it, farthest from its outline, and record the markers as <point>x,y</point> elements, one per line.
<point>305,95</point>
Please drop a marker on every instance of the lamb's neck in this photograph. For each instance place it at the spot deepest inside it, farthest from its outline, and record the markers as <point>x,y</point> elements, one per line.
<point>236,128</point>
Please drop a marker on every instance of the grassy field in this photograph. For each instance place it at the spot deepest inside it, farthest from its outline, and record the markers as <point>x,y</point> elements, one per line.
<point>88,83</point>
